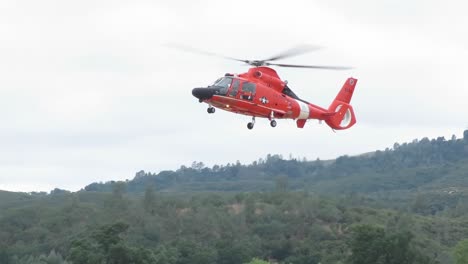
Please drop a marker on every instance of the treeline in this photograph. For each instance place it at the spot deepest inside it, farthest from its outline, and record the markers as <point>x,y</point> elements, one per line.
<point>420,165</point>
<point>281,226</point>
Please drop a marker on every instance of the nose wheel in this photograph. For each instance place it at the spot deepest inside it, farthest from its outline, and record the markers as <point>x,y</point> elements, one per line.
<point>211,110</point>
<point>273,123</point>
<point>250,125</point>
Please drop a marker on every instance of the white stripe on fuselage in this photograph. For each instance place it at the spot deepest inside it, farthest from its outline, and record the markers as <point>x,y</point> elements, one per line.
<point>304,113</point>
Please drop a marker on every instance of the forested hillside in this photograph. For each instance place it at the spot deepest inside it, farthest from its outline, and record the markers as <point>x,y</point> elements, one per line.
<point>439,166</point>
<point>407,204</point>
<point>288,227</point>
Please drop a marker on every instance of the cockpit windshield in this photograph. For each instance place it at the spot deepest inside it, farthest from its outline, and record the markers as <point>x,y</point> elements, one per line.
<point>223,83</point>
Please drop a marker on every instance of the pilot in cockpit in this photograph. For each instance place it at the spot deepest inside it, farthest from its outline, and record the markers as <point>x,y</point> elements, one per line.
<point>223,83</point>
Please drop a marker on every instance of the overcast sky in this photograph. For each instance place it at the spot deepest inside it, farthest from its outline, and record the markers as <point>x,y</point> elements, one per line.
<point>89,92</point>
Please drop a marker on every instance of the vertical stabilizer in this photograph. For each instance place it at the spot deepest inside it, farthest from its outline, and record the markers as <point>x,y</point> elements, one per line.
<point>342,112</point>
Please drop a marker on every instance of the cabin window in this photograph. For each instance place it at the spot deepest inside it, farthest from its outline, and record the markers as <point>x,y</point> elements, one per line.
<point>248,90</point>
<point>248,87</point>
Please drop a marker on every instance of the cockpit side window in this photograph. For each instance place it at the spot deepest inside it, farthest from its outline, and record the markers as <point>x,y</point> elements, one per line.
<point>235,88</point>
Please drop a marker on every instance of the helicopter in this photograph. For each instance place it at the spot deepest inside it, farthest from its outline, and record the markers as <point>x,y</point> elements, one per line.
<point>261,93</point>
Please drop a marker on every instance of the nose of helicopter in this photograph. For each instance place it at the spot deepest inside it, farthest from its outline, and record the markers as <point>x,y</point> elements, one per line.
<point>203,93</point>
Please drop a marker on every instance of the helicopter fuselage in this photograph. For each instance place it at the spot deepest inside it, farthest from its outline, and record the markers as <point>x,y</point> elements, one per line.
<point>261,93</point>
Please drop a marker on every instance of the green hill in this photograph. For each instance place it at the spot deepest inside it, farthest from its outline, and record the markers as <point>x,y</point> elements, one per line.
<point>409,203</point>
<point>212,228</point>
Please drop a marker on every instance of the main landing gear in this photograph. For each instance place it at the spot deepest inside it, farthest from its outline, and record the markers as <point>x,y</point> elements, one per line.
<point>250,125</point>
<point>272,120</point>
<point>211,110</point>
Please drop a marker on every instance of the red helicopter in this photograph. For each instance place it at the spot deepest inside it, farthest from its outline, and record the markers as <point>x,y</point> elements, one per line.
<point>261,93</point>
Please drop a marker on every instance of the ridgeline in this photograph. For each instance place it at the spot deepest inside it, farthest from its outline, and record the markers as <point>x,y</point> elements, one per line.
<point>422,165</point>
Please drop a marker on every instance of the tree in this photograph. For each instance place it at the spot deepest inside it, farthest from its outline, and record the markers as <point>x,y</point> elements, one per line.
<point>194,252</point>
<point>58,191</point>
<point>236,251</point>
<point>197,165</point>
<point>281,184</point>
<point>118,190</point>
<point>366,244</point>
<point>116,201</point>
<point>397,248</point>
<point>249,209</point>
<point>52,258</point>
<point>110,234</point>
<point>84,252</point>
<point>106,245</point>
<point>304,254</point>
<point>166,255</point>
<point>460,252</point>
<point>149,200</point>
<point>465,135</point>
<point>4,257</point>
<point>140,174</point>
<point>257,261</point>
<point>371,244</point>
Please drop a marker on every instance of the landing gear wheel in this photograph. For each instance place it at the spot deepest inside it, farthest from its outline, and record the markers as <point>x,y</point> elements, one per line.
<point>273,123</point>
<point>210,110</point>
<point>250,125</point>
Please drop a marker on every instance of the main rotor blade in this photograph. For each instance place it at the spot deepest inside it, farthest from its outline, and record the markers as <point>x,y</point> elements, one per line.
<point>294,52</point>
<point>310,66</point>
<point>198,51</point>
